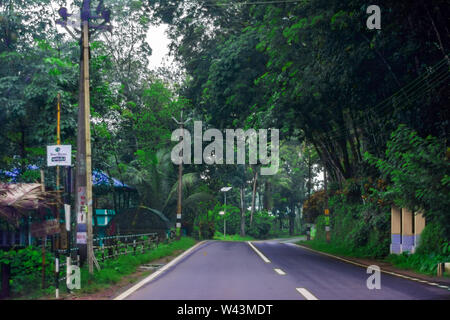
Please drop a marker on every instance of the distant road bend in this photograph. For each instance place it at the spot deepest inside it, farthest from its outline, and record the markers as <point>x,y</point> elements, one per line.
<point>270,270</point>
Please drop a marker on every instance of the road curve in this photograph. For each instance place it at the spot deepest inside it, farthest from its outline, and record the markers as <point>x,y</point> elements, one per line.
<point>218,270</point>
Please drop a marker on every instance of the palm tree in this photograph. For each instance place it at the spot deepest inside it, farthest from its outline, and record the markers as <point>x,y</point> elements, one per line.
<point>157,185</point>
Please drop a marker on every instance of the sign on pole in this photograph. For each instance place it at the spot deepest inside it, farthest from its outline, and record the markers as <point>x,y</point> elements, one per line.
<point>59,155</point>
<point>67,216</point>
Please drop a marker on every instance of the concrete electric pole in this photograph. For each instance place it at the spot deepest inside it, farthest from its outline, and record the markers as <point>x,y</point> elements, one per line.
<point>83,24</point>
<point>181,123</point>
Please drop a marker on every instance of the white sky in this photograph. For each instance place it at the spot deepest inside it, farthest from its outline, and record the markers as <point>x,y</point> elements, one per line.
<point>159,43</point>
<point>156,38</point>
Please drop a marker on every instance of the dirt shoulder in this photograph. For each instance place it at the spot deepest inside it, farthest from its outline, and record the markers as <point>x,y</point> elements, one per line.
<point>124,284</point>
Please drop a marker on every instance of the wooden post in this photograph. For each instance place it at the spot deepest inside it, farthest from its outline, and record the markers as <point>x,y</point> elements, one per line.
<point>44,239</point>
<point>180,189</point>
<point>58,142</point>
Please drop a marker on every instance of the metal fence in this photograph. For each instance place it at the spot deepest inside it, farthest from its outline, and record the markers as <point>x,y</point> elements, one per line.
<point>115,246</point>
<point>109,247</point>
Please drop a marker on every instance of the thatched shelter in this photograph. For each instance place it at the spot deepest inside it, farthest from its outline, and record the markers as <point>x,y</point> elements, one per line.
<point>17,200</point>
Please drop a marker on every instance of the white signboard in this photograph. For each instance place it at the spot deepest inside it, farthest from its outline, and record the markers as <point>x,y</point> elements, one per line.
<point>59,155</point>
<point>81,237</point>
<point>67,216</point>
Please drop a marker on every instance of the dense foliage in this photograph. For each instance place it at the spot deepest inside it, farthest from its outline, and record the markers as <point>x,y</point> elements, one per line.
<point>369,108</point>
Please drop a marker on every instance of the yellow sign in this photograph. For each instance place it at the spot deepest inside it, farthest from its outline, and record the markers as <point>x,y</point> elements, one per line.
<point>327,211</point>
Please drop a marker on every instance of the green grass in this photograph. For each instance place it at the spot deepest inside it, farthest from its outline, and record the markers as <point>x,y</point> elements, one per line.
<point>421,263</point>
<point>333,248</point>
<point>113,270</point>
<point>284,235</point>
<point>231,237</point>
<point>235,237</point>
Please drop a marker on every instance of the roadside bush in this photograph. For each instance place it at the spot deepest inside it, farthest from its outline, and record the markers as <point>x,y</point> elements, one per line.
<point>206,229</point>
<point>262,224</point>
<point>432,239</point>
<point>421,262</point>
<point>363,229</point>
<point>205,223</point>
<point>26,269</point>
<point>418,173</point>
<point>232,217</point>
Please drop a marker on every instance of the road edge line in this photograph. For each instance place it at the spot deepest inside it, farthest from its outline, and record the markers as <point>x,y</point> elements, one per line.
<point>366,266</point>
<point>259,253</point>
<point>155,274</point>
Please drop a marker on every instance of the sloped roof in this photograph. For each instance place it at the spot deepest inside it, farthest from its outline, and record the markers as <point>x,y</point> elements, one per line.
<point>99,178</point>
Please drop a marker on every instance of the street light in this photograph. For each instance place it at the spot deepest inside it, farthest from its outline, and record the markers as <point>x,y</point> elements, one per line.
<point>222,213</point>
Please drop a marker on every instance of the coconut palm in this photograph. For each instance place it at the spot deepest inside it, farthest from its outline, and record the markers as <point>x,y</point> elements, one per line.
<point>157,183</point>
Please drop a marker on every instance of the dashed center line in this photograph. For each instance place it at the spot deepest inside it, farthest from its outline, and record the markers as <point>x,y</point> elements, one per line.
<point>258,252</point>
<point>280,272</point>
<point>305,293</point>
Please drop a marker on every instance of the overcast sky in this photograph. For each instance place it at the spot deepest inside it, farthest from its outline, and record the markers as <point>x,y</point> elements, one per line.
<point>156,38</point>
<point>159,43</point>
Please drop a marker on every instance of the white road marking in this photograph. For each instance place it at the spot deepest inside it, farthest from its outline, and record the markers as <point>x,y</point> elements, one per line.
<point>258,252</point>
<point>365,266</point>
<point>156,273</point>
<point>305,293</point>
<point>280,272</point>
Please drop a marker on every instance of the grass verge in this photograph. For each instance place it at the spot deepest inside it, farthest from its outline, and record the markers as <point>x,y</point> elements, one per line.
<point>420,263</point>
<point>333,248</point>
<point>231,237</point>
<point>113,270</point>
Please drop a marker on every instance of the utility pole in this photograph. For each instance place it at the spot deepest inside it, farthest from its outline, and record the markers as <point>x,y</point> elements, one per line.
<point>84,179</point>
<point>58,142</point>
<point>181,123</point>
<point>83,202</point>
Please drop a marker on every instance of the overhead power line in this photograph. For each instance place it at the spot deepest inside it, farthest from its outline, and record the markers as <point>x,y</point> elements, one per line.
<point>230,4</point>
<point>410,92</point>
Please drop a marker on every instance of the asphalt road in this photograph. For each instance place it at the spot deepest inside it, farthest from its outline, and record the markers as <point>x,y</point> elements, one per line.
<point>233,271</point>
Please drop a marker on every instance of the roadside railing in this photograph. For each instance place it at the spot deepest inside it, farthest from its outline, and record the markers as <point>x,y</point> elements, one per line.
<point>64,262</point>
<point>111,247</point>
